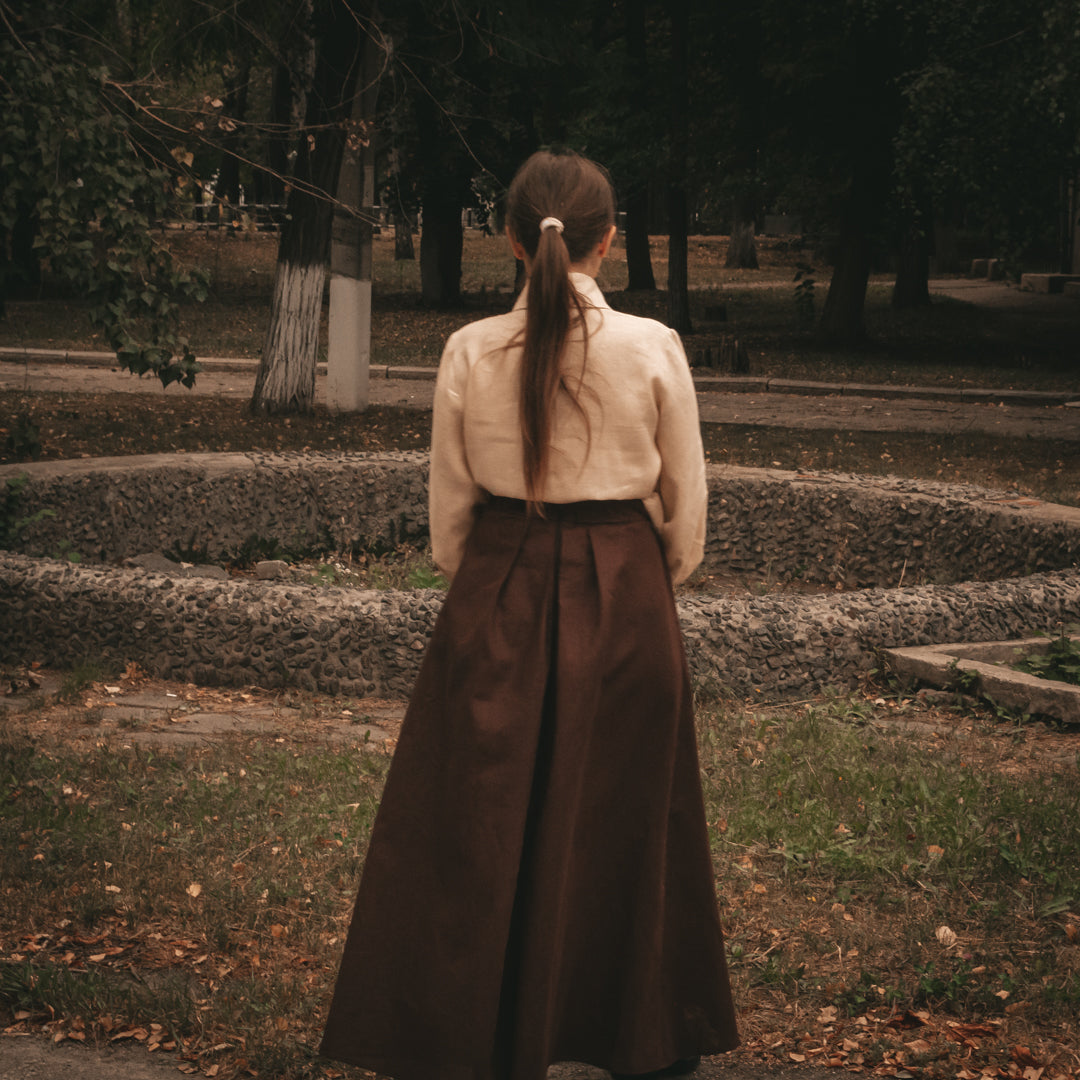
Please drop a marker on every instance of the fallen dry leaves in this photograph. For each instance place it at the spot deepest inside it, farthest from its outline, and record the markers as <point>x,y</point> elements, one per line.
<point>780,1028</point>
<point>906,1044</point>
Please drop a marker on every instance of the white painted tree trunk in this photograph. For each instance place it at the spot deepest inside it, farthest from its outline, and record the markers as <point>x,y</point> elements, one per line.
<point>286,379</point>
<point>348,359</point>
<point>285,382</point>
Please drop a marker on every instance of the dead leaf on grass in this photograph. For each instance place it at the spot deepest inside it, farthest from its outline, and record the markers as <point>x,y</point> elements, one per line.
<point>946,936</point>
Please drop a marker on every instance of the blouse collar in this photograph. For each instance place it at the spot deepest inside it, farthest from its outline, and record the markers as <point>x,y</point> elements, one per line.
<point>583,283</point>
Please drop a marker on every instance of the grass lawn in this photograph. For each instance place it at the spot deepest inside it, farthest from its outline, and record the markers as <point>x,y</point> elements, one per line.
<point>898,883</point>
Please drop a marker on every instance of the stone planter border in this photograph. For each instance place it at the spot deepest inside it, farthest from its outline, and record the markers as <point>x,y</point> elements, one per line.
<point>869,533</point>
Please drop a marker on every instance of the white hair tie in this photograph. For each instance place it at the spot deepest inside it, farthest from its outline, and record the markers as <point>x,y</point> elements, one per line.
<point>551,223</point>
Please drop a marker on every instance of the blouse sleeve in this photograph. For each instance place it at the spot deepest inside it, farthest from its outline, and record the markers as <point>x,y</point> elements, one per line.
<point>682,485</point>
<point>452,493</point>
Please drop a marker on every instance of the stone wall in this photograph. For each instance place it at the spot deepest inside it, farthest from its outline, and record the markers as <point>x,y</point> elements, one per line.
<point>864,532</point>
<point>365,642</point>
<point>859,532</point>
<point>213,505</point>
<point>781,646</point>
<point>232,633</point>
<point>839,529</point>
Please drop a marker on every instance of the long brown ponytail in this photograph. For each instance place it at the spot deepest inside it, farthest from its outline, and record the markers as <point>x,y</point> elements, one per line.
<point>578,193</point>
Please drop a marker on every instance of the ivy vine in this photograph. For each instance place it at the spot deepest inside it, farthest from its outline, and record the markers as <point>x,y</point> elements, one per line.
<point>71,163</point>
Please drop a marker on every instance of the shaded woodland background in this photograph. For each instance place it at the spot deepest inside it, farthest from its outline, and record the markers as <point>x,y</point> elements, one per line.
<point>892,137</point>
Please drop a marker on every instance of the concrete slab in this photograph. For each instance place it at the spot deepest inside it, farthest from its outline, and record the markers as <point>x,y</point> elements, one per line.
<point>160,702</point>
<point>988,662</point>
<point>1044,398</point>
<point>84,356</point>
<point>134,714</point>
<point>417,372</point>
<point>732,384</point>
<point>890,393</point>
<point>206,727</point>
<point>45,354</point>
<point>1046,283</point>
<point>800,386</point>
<point>26,693</point>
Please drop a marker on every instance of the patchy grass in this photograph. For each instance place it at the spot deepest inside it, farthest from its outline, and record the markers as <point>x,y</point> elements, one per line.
<point>405,567</point>
<point>898,886</point>
<point>913,898</point>
<point>191,900</point>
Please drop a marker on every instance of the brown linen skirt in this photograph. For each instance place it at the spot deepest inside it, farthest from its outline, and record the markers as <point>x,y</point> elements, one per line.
<point>539,885</point>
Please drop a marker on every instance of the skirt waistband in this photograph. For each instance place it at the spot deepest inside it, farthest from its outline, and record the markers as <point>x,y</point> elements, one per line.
<point>589,512</point>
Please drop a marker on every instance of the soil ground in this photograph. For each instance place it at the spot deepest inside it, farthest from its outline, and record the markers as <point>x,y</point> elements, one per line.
<point>32,1058</point>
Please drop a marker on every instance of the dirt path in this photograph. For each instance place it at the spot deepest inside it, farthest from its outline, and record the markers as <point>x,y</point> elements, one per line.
<point>766,409</point>
<point>91,379</point>
<point>1005,297</point>
<point>836,411</point>
<point>32,1058</point>
<point>934,412</point>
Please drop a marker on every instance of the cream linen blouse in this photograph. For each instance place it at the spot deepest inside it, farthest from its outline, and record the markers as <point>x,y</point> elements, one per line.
<point>642,440</point>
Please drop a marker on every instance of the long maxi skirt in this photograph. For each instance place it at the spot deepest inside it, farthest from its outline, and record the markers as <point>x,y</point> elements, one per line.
<point>539,886</point>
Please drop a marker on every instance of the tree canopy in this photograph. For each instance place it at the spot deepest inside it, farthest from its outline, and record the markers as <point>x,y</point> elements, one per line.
<point>871,121</point>
<point>81,187</point>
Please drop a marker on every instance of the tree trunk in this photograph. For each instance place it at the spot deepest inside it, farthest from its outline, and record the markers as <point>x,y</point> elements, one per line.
<point>272,183</point>
<point>441,243</point>
<point>912,286</point>
<point>638,256</point>
<point>293,74</point>
<point>443,176</point>
<point>403,234</point>
<point>742,249</point>
<point>678,278</point>
<point>20,266</point>
<point>1074,203</point>
<point>744,69</point>
<point>678,251</point>
<point>285,382</point>
<point>946,249</point>
<point>394,138</point>
<point>237,76</point>
<point>842,318</point>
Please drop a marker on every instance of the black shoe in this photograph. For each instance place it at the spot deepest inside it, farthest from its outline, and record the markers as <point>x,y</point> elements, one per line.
<point>682,1067</point>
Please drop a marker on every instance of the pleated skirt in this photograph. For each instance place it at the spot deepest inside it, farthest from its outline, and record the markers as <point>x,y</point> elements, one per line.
<point>539,886</point>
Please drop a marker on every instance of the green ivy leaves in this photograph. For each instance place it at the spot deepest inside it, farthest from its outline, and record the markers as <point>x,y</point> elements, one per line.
<point>72,168</point>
